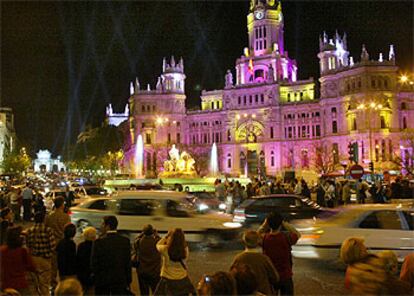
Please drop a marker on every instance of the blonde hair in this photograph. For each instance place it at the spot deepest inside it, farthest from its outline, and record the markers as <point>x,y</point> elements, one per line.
<point>89,233</point>
<point>69,287</point>
<point>390,261</point>
<point>353,250</point>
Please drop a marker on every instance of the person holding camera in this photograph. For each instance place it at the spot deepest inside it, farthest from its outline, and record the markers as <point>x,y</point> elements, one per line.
<point>278,237</point>
<point>147,259</point>
<point>174,274</point>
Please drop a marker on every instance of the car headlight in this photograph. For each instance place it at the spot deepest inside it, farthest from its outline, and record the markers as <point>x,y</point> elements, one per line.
<point>232,224</point>
<point>202,207</point>
<point>222,206</point>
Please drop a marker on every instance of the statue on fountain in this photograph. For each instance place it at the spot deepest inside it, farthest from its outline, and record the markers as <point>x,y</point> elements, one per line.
<point>178,165</point>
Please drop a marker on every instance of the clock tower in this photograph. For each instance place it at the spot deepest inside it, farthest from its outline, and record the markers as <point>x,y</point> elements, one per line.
<point>265,59</point>
<point>265,27</point>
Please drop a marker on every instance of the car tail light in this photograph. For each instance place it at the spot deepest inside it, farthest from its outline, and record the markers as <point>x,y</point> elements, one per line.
<point>239,215</point>
<point>311,236</point>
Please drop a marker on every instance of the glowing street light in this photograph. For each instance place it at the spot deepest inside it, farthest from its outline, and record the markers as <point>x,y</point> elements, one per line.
<point>403,78</point>
<point>159,120</point>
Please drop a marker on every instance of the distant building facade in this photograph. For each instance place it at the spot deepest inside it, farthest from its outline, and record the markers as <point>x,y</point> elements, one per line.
<point>7,132</point>
<point>44,163</point>
<point>265,120</point>
<point>116,119</point>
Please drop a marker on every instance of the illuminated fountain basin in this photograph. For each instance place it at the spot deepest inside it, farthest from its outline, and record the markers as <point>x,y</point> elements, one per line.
<point>178,169</point>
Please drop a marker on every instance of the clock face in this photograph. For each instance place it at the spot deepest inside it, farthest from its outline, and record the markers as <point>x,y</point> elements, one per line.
<point>259,14</point>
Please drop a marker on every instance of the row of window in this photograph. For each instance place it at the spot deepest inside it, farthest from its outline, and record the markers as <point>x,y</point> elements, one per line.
<point>249,99</point>
<point>206,138</point>
<point>377,82</point>
<point>296,96</point>
<point>260,38</point>
<point>205,123</point>
<point>383,123</point>
<point>148,108</point>
<point>302,115</point>
<point>304,131</point>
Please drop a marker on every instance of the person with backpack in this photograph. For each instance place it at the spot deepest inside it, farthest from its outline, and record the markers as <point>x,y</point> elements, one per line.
<point>174,275</point>
<point>147,259</point>
<point>278,236</point>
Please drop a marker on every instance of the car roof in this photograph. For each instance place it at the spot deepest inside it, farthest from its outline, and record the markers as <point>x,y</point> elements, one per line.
<point>374,207</point>
<point>156,194</point>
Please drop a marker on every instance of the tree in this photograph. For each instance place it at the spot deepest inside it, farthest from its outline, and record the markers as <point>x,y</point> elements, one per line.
<point>324,161</point>
<point>18,161</point>
<point>405,160</point>
<point>97,149</point>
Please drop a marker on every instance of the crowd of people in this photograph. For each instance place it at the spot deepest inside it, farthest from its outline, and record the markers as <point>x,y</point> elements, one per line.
<point>45,260</point>
<point>328,192</point>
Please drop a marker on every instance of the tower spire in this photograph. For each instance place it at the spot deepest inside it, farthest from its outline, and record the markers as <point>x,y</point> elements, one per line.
<point>137,86</point>
<point>391,54</point>
<point>131,88</point>
<point>364,54</point>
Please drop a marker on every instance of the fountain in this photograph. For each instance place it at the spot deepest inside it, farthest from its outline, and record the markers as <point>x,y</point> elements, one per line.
<point>213,161</point>
<point>178,165</point>
<point>139,158</point>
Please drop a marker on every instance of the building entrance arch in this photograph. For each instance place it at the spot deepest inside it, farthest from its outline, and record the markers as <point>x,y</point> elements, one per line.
<point>249,131</point>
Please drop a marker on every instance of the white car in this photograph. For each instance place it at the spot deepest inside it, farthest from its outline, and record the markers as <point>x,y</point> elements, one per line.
<point>383,227</point>
<point>163,209</point>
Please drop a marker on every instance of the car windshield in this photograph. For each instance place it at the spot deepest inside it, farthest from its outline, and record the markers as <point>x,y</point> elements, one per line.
<point>247,203</point>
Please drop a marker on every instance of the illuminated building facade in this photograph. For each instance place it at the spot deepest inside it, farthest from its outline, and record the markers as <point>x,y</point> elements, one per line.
<point>7,132</point>
<point>267,121</point>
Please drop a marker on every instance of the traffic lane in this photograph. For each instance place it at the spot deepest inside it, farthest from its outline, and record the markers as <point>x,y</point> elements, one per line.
<point>311,277</point>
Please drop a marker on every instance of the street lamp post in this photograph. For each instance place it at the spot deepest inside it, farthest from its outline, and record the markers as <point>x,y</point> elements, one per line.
<point>370,108</point>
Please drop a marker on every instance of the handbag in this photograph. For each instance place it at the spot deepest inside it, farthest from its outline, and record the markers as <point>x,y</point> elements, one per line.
<point>135,257</point>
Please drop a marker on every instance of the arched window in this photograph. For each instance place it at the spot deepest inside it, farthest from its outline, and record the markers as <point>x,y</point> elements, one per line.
<point>403,106</point>
<point>272,159</point>
<point>383,122</point>
<point>404,122</point>
<point>229,161</point>
<point>354,124</point>
<point>334,127</point>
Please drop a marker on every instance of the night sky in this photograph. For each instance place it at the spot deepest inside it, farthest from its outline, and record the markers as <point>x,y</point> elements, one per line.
<point>63,62</point>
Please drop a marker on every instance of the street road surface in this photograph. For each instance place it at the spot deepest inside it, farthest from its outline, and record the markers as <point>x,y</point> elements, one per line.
<point>310,277</point>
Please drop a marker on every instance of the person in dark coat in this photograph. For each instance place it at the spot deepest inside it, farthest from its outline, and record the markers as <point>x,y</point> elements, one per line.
<point>66,252</point>
<point>83,259</point>
<point>6,218</point>
<point>320,194</point>
<point>148,259</point>
<point>111,260</point>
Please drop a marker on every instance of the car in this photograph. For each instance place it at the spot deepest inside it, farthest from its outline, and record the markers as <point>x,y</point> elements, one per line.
<point>254,210</point>
<point>83,192</point>
<point>383,227</point>
<point>163,209</point>
<point>206,201</point>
